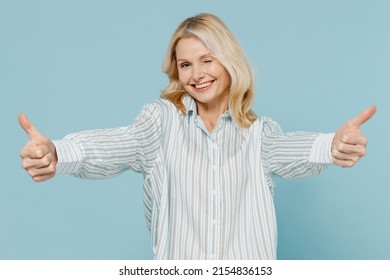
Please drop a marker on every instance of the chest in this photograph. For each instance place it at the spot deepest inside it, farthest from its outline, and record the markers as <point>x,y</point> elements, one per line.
<point>191,147</point>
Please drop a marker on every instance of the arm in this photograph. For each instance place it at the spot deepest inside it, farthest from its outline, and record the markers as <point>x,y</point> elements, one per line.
<point>108,152</point>
<point>300,154</point>
<point>295,154</point>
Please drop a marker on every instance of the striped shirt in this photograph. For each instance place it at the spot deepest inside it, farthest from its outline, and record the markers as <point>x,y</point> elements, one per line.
<point>207,195</point>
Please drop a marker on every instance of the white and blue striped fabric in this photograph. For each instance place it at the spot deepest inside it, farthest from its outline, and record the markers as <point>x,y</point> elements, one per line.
<point>207,195</point>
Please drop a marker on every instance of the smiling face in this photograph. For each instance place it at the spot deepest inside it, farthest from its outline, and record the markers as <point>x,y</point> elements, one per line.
<point>202,75</point>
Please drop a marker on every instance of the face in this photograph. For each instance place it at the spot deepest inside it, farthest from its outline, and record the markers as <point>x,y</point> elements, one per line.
<point>202,75</point>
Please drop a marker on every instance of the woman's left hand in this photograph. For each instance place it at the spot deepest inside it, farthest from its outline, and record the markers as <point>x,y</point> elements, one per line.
<point>349,144</point>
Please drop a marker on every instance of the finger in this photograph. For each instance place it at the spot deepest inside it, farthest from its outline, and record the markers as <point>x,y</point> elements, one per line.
<point>363,116</point>
<point>45,171</point>
<point>29,163</point>
<point>43,178</point>
<point>347,156</point>
<point>349,150</point>
<point>354,139</point>
<point>29,128</point>
<point>344,163</point>
<point>34,152</point>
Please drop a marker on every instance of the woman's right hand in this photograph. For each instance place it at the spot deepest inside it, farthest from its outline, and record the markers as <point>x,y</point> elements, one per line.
<point>39,156</point>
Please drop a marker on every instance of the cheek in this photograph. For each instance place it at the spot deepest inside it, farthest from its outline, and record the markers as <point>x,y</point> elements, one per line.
<point>183,78</point>
<point>225,77</point>
<point>220,71</point>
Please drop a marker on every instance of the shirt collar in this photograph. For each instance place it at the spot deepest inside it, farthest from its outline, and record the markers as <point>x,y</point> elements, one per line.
<point>190,105</point>
<point>191,110</point>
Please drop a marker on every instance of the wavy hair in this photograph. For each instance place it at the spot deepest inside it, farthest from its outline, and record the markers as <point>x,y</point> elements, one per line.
<point>223,45</point>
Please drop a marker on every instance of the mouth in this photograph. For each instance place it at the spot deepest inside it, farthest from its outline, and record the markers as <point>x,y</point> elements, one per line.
<point>203,86</point>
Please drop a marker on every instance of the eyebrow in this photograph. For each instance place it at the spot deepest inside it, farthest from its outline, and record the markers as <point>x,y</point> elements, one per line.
<point>200,58</point>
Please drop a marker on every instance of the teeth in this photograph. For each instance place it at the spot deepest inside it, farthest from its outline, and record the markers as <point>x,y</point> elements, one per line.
<point>203,85</point>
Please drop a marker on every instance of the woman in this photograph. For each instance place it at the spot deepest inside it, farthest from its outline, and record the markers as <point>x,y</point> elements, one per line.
<point>208,161</point>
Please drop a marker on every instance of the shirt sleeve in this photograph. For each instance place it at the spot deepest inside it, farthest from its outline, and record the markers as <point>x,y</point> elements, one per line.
<point>106,153</point>
<point>321,149</point>
<point>295,154</point>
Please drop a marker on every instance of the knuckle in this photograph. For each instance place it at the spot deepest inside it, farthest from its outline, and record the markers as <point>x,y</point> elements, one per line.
<point>340,146</point>
<point>25,150</point>
<point>52,168</point>
<point>39,153</point>
<point>32,172</point>
<point>345,138</point>
<point>37,179</point>
<point>335,154</point>
<point>45,161</point>
<point>25,164</point>
<point>49,156</point>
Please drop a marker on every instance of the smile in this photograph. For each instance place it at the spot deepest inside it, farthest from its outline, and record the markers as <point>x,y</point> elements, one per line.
<point>203,86</point>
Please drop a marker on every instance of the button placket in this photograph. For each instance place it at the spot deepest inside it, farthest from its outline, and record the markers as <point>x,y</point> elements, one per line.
<point>215,216</point>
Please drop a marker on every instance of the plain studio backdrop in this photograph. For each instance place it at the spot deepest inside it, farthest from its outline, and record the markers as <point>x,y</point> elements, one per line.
<point>77,65</point>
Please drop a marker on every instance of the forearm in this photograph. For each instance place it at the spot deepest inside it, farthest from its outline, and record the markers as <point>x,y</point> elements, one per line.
<point>98,154</point>
<point>299,155</point>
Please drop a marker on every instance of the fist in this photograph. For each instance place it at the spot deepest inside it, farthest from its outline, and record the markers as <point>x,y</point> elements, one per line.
<point>39,157</point>
<point>349,144</point>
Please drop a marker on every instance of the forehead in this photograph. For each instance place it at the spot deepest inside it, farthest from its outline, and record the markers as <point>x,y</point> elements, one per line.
<point>190,48</point>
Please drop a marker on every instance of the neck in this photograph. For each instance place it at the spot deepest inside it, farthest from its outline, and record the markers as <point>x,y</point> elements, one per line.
<point>210,115</point>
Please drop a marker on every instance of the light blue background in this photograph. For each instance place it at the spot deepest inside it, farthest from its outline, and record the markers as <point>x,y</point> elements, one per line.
<point>76,65</point>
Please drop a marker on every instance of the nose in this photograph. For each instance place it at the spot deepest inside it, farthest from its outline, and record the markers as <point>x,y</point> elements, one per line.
<point>197,74</point>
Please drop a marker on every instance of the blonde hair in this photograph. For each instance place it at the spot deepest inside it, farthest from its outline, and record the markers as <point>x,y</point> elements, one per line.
<point>222,44</point>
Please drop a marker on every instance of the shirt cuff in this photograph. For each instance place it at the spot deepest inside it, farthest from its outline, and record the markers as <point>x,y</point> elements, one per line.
<point>69,156</point>
<point>321,150</point>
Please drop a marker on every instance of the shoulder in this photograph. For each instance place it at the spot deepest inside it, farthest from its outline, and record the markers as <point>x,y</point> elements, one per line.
<point>266,124</point>
<point>160,112</point>
<point>161,105</point>
<point>158,107</point>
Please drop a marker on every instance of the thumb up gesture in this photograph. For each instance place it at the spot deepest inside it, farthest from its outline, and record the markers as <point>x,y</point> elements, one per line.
<point>349,144</point>
<point>39,157</point>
